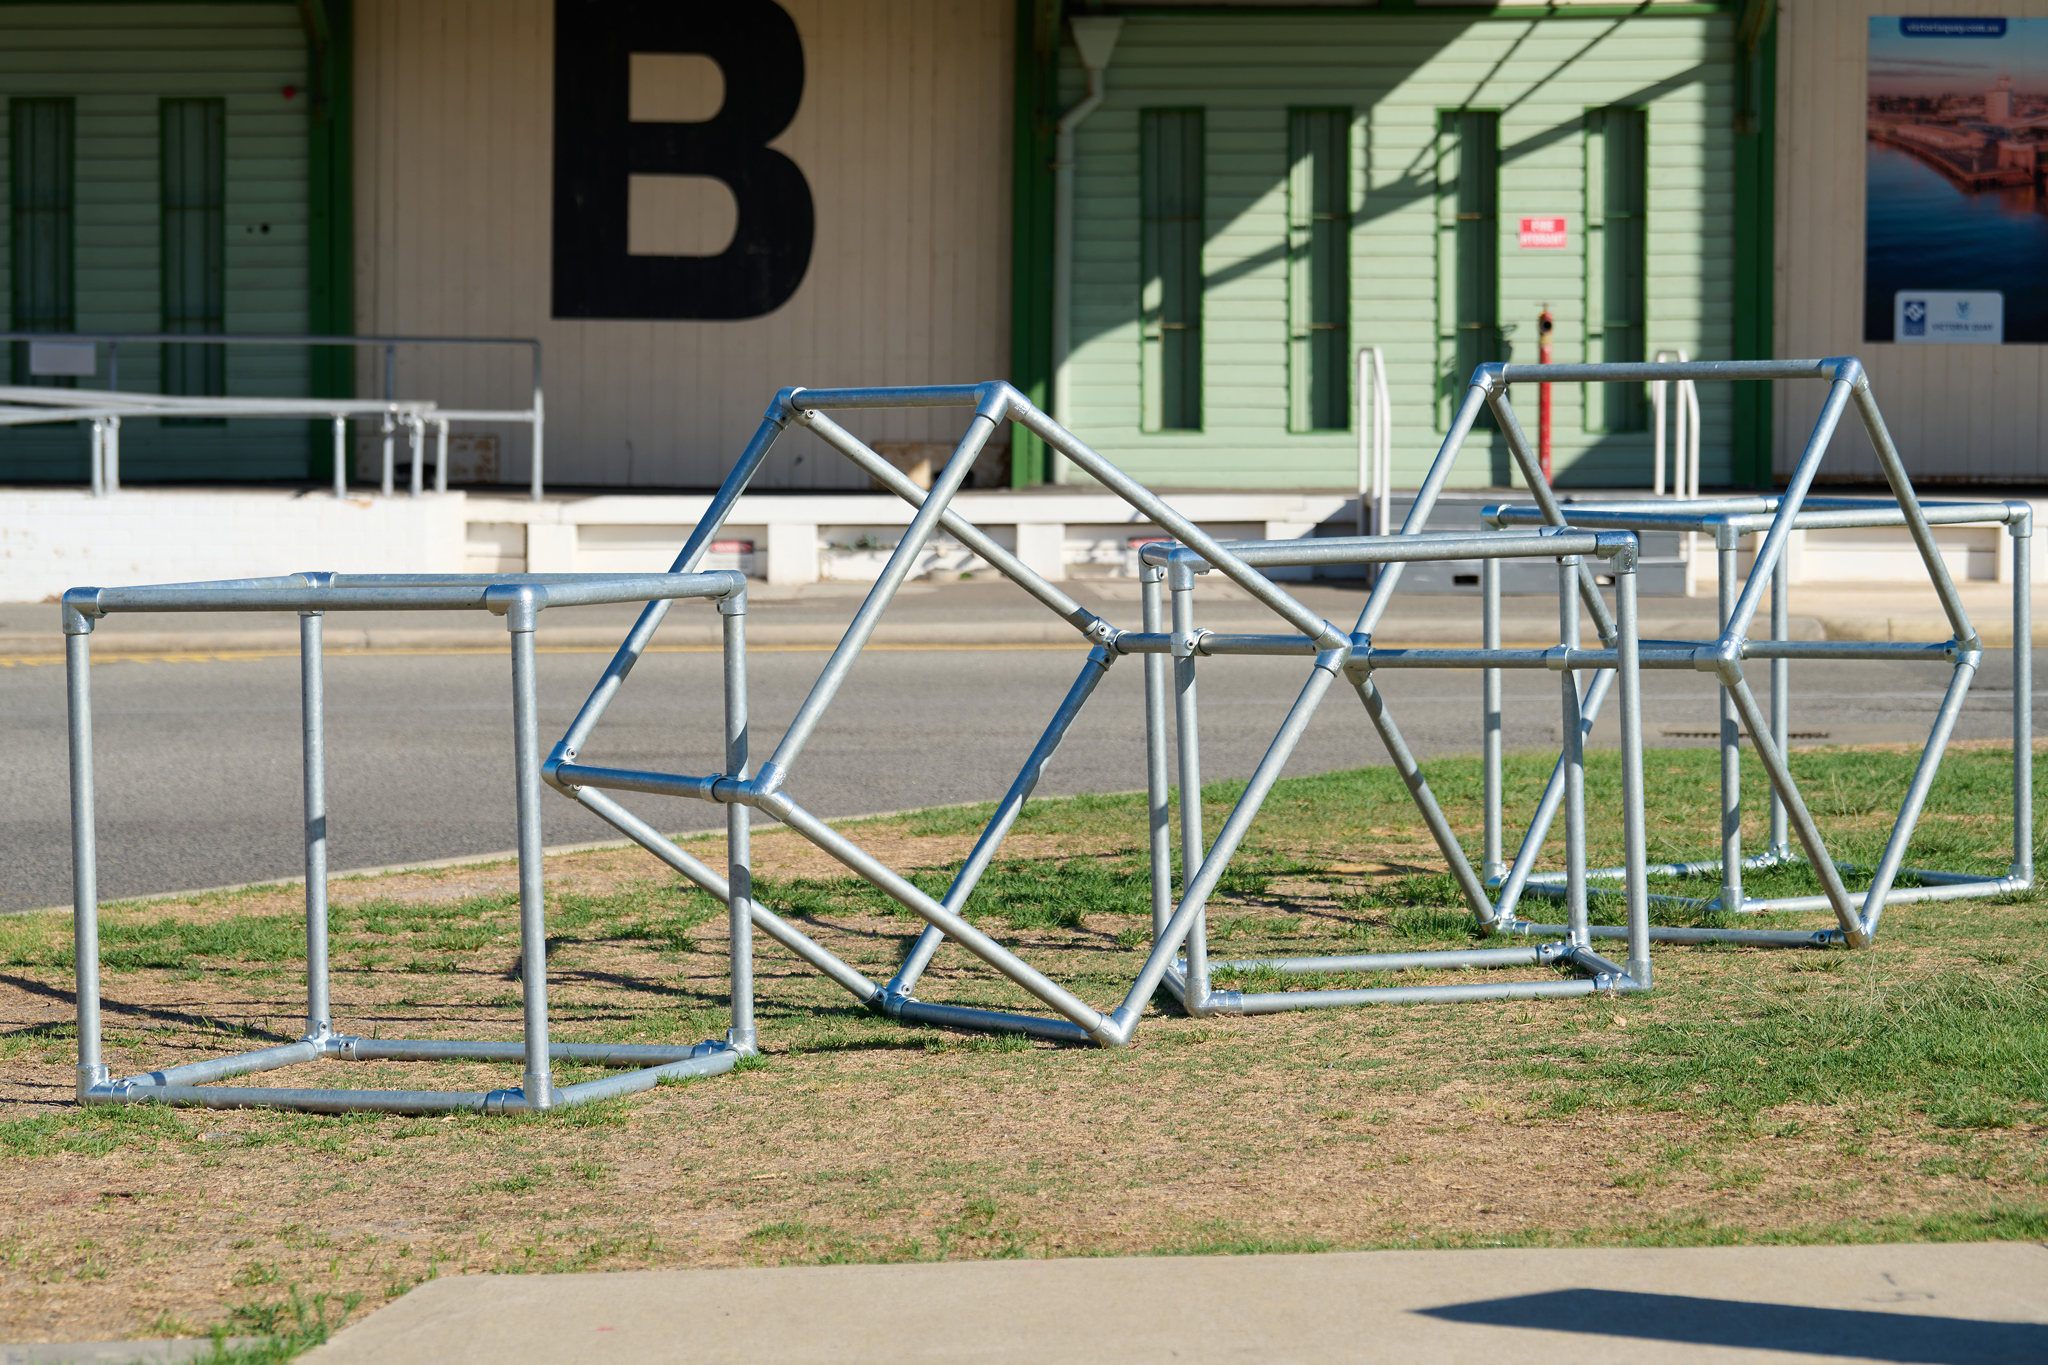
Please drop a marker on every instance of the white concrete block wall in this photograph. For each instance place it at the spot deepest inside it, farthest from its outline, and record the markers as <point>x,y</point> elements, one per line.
<point>57,539</point>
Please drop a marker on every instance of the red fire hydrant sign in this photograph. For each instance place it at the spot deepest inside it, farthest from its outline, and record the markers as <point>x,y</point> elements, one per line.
<point>1543,234</point>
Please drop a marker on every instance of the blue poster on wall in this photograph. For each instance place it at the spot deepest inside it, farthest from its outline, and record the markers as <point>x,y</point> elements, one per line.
<point>1956,239</point>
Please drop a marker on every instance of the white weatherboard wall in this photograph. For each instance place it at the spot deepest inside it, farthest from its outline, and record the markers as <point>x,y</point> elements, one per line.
<point>903,135</point>
<point>1396,73</point>
<point>1971,413</point>
<point>117,62</point>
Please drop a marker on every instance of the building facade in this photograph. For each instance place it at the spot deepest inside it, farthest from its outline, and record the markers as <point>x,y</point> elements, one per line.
<point>693,205</point>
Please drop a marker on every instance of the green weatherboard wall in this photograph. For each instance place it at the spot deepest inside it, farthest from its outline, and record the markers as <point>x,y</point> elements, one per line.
<point>1399,74</point>
<point>119,63</point>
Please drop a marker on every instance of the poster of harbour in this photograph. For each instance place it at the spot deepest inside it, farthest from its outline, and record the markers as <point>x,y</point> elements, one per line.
<point>1956,247</point>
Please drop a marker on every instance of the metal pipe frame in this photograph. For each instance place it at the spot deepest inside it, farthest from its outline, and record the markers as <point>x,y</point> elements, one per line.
<point>991,403</point>
<point>1189,979</point>
<point>520,599</point>
<point>533,416</point>
<point>1776,517</point>
<point>1728,520</point>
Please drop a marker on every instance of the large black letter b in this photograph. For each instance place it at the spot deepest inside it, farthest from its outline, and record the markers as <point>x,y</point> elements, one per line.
<point>597,146</point>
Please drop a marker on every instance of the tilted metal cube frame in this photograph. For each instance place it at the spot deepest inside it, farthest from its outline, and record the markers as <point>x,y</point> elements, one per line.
<point>1174,568</point>
<point>520,599</point>
<point>1076,1021</point>
<point>1723,657</point>
<point>1729,521</point>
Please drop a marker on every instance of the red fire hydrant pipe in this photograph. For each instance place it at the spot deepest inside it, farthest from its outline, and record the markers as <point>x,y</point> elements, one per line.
<point>1543,325</point>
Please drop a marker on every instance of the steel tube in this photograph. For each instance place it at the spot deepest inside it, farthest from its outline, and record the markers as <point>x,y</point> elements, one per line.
<point>877,601</point>
<point>1401,549</point>
<point>1425,501</point>
<point>2023,698</point>
<point>998,1021</point>
<point>969,937</point>
<point>956,525</point>
<point>1909,505</point>
<point>1906,651</point>
<point>1731,744</point>
<point>1634,821</point>
<point>85,901</point>
<point>1143,499</point>
<point>1924,773</point>
<point>341,461</point>
<point>538,1083</point>
<point>311,1101</point>
<point>313,737</point>
<point>773,925</point>
<point>1403,759</point>
<point>1663,933</point>
<point>479,1050</point>
<point>739,862</point>
<point>1449,959</point>
<point>1187,731</point>
<point>1780,534</point>
<point>1278,1002</point>
<point>1158,781</point>
<point>633,1082</point>
<point>637,639</point>
<point>1201,884</point>
<point>1539,488</point>
<point>1608,372</point>
<point>1491,866</point>
<point>999,825</point>
<point>1796,812</point>
<point>240,1064</point>
<point>1781,694</point>
<point>1574,757</point>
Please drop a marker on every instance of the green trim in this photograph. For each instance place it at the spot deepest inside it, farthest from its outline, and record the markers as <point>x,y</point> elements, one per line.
<point>1038,92</point>
<point>330,303</point>
<point>1755,249</point>
<point>1409,9</point>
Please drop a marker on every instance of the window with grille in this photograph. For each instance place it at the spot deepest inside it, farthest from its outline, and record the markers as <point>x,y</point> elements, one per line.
<point>1170,176</point>
<point>1319,269</point>
<point>42,172</point>
<point>1617,248</point>
<point>194,205</point>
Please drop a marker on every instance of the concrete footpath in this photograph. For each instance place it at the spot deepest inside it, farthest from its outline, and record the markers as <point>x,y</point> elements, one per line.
<point>994,613</point>
<point>1946,1304</point>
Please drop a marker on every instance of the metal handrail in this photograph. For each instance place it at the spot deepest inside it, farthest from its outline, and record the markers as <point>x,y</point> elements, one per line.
<point>1685,456</point>
<point>534,416</point>
<point>1375,440</point>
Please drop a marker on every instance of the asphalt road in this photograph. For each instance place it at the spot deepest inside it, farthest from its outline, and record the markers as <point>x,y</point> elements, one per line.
<point>198,762</point>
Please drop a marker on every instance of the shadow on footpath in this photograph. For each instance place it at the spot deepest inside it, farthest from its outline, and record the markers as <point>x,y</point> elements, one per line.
<point>1908,1338</point>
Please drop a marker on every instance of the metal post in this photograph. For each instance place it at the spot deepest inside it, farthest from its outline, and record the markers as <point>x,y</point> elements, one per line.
<point>739,860</point>
<point>1635,849</point>
<point>1780,846</point>
<point>2023,699</point>
<point>313,726</point>
<point>1188,738</point>
<point>95,456</point>
<point>1574,758</point>
<point>1731,742</point>
<point>1158,782</point>
<point>389,427</point>
<point>85,903</point>
<point>1492,866</point>
<point>538,1083</point>
<point>111,453</point>
<point>341,470</point>
<point>441,456</point>
<point>390,395</point>
<point>415,438</point>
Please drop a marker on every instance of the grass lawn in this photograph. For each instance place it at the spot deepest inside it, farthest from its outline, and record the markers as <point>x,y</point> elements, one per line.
<point>1896,1093</point>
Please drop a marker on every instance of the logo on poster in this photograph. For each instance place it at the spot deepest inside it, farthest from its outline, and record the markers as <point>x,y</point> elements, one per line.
<point>1953,317</point>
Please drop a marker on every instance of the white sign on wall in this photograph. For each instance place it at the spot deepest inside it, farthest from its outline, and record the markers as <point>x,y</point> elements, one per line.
<point>1949,317</point>
<point>72,359</point>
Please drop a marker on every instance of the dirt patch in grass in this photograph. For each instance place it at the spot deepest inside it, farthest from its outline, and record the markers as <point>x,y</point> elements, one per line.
<point>1894,1093</point>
